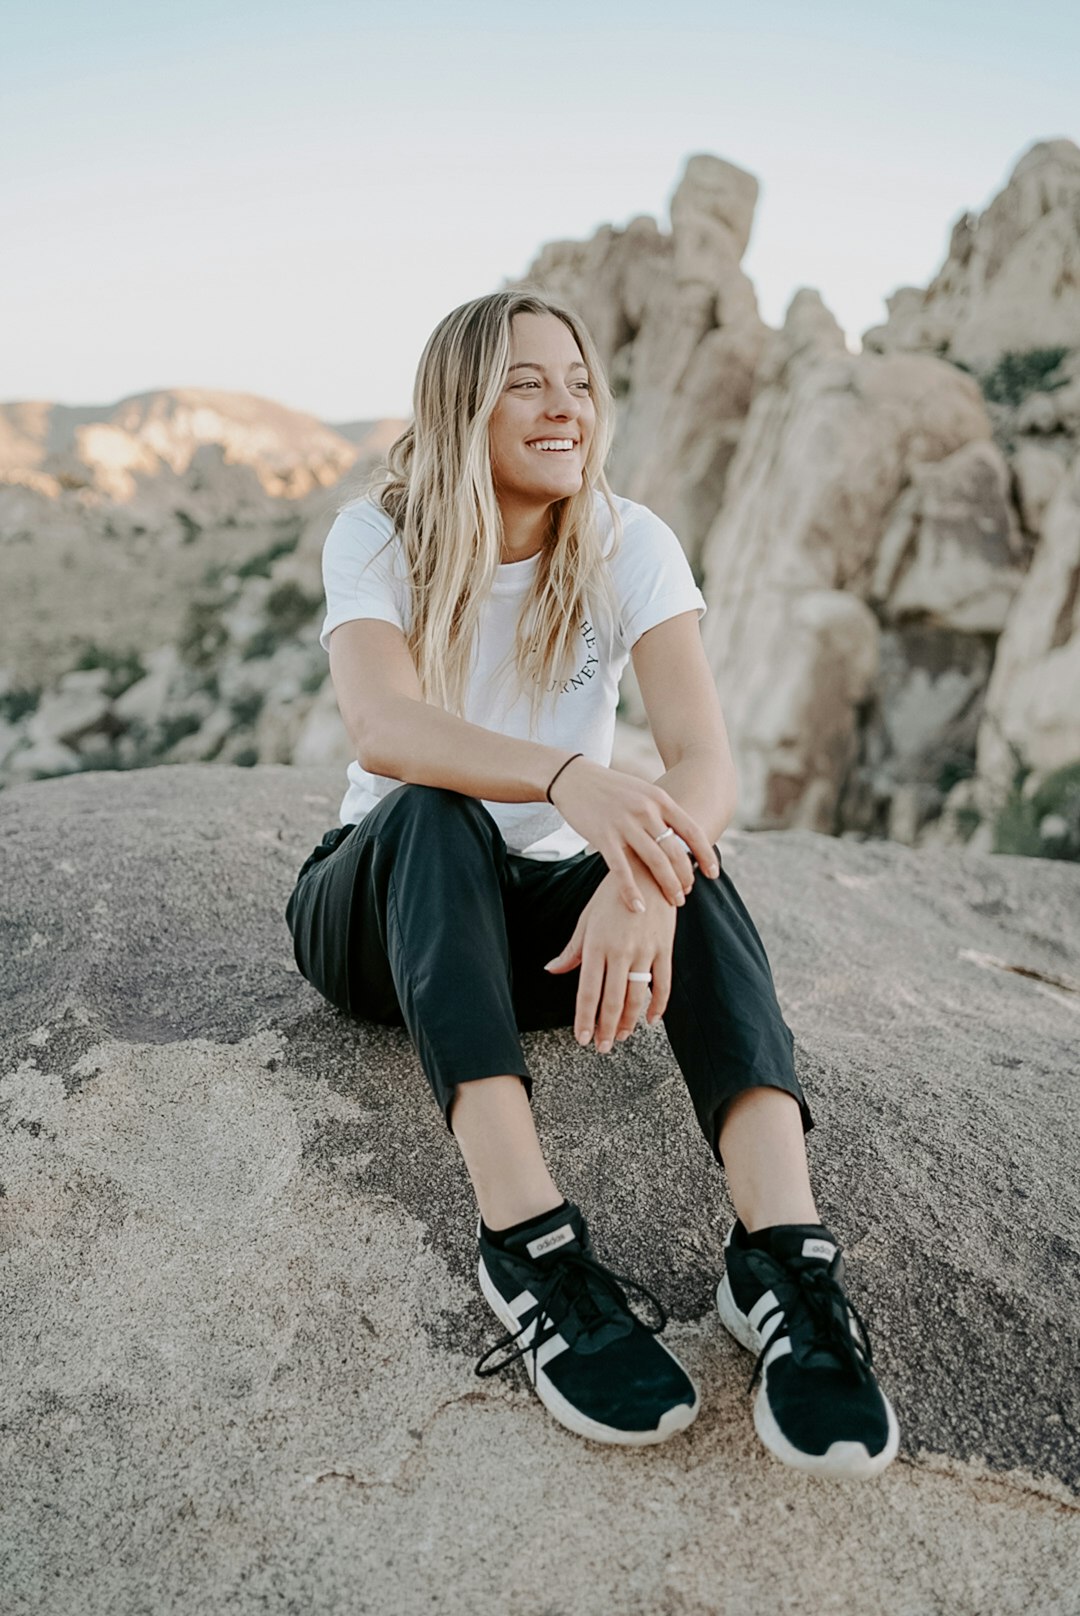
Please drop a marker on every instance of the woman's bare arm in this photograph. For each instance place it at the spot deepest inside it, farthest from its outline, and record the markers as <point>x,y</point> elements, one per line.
<point>395,732</point>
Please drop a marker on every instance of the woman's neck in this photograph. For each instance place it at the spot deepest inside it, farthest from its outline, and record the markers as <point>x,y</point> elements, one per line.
<point>525,527</point>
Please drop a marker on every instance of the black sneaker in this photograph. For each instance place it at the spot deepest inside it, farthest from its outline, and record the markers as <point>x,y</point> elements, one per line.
<point>594,1364</point>
<point>819,1407</point>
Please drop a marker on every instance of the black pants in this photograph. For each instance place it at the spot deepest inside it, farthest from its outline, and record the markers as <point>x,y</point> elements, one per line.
<point>420,916</point>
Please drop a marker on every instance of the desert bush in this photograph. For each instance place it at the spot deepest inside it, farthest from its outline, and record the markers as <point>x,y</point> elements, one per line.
<point>246,708</point>
<point>125,668</point>
<point>19,702</point>
<point>203,635</point>
<point>258,566</point>
<point>1044,823</point>
<point>1017,374</point>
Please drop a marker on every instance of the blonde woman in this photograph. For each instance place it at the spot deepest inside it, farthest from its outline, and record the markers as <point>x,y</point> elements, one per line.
<point>493,873</point>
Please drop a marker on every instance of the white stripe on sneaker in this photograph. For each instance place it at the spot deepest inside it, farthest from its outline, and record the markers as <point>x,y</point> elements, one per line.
<point>760,1308</point>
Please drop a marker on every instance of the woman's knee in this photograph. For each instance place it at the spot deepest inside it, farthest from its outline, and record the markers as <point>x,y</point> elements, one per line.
<point>431,807</point>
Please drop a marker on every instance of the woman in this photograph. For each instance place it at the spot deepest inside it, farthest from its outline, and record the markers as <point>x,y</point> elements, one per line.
<point>482,602</point>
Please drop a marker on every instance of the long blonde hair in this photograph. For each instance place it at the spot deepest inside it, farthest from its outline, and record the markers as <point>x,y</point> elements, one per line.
<point>436,486</point>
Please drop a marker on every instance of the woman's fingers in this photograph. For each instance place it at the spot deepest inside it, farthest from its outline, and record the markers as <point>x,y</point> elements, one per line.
<point>617,862</point>
<point>638,996</point>
<point>661,987</point>
<point>652,854</point>
<point>691,832</point>
<point>621,1004</point>
<point>590,987</point>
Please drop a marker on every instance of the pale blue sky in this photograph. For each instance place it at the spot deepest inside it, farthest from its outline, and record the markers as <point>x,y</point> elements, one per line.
<point>285,199</point>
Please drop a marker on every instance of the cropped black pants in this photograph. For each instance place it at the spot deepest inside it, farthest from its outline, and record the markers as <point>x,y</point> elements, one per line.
<point>420,916</point>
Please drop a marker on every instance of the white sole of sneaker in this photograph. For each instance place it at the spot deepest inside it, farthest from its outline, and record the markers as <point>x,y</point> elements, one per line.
<point>675,1420</point>
<point>844,1461</point>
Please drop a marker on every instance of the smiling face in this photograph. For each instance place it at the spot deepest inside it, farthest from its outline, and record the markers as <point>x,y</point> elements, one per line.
<point>543,423</point>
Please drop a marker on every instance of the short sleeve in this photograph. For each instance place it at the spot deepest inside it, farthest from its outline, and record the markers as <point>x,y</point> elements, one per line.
<point>361,572</point>
<point>652,575</point>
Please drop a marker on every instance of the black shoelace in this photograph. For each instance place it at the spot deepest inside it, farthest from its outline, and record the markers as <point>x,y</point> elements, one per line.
<point>585,1287</point>
<point>820,1308</point>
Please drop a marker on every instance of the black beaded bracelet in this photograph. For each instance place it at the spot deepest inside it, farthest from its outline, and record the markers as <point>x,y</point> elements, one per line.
<point>557,773</point>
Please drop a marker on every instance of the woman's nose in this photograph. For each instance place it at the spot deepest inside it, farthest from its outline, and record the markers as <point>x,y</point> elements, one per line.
<point>565,403</point>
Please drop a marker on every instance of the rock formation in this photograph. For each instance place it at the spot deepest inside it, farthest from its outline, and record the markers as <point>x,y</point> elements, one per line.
<point>240,1312</point>
<point>860,481</point>
<point>676,320</point>
<point>1011,281</point>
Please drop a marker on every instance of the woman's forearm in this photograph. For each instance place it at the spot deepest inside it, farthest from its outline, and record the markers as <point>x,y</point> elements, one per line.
<point>423,745</point>
<point>703,782</point>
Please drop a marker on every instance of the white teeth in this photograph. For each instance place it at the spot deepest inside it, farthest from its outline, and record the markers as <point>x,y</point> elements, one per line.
<point>554,443</point>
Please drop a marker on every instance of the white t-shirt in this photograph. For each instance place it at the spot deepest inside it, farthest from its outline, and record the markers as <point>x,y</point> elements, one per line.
<point>652,580</point>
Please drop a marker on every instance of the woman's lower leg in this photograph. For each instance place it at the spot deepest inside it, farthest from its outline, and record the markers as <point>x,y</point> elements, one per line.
<point>763,1147</point>
<point>493,1124</point>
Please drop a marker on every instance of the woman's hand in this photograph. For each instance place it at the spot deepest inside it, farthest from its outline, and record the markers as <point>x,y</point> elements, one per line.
<point>608,947</point>
<point>620,815</point>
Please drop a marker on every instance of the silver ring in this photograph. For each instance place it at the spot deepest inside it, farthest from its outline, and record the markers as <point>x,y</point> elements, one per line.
<point>669,832</point>
<point>639,976</point>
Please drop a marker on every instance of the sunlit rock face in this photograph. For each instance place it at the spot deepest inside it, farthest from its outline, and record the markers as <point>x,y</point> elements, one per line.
<point>1033,699</point>
<point>677,322</point>
<point>1011,281</point>
<point>793,567</point>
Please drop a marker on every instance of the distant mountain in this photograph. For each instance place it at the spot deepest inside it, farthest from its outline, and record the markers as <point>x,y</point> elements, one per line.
<point>106,447</point>
<point>370,437</point>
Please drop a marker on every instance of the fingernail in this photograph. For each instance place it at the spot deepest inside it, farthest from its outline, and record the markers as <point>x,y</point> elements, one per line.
<point>639,906</point>
<point>549,964</point>
<point>582,1037</point>
<point>679,899</point>
<point>605,1046</point>
<point>714,869</point>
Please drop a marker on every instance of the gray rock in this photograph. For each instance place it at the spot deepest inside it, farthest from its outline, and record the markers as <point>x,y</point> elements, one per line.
<point>239,1310</point>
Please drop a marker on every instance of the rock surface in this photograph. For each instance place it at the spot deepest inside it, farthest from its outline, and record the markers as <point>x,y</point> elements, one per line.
<point>794,557</point>
<point>676,320</point>
<point>238,1308</point>
<point>1011,281</point>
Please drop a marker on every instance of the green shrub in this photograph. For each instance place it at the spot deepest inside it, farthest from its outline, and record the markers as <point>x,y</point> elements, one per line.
<point>247,707</point>
<point>258,566</point>
<point>1047,823</point>
<point>288,607</point>
<point>202,634</point>
<point>124,668</point>
<point>1017,374</point>
<point>956,767</point>
<point>246,758</point>
<point>175,728</point>
<point>19,702</point>
<point>263,643</point>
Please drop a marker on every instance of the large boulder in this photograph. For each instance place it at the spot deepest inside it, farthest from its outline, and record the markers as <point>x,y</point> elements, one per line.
<point>830,456</point>
<point>677,323</point>
<point>239,1309</point>
<point>1033,699</point>
<point>1011,280</point>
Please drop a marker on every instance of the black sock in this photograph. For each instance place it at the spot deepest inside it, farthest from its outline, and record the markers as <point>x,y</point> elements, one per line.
<point>499,1237</point>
